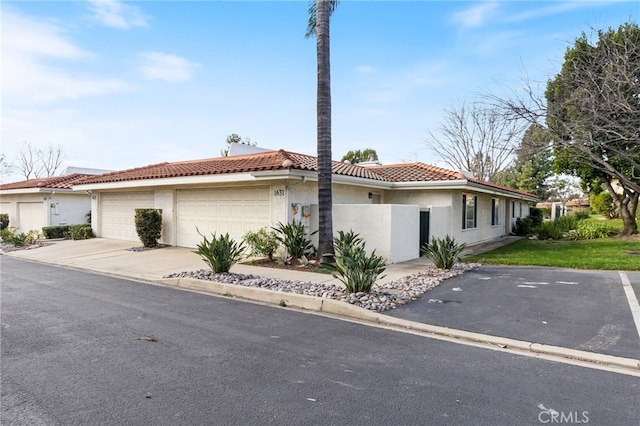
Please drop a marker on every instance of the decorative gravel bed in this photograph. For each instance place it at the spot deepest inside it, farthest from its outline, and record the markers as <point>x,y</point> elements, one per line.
<point>6,247</point>
<point>384,297</point>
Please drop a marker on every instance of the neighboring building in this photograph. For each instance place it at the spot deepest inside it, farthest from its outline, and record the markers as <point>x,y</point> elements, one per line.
<point>555,209</point>
<point>35,203</point>
<point>579,204</point>
<point>395,208</point>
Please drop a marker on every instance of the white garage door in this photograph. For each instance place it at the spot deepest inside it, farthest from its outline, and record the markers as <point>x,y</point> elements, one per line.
<point>117,213</point>
<point>232,210</point>
<point>31,216</point>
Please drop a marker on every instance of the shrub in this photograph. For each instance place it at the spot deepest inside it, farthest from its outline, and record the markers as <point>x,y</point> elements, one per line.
<point>294,239</point>
<point>444,253</point>
<point>263,242</point>
<point>4,221</point>
<point>524,226</point>
<point>357,271</point>
<point>567,222</point>
<point>7,233</point>
<point>220,253</point>
<point>594,229</point>
<point>603,203</point>
<point>51,232</point>
<point>550,230</point>
<point>149,226</point>
<point>527,225</point>
<point>81,232</point>
<point>536,216</point>
<point>22,239</point>
<point>582,215</point>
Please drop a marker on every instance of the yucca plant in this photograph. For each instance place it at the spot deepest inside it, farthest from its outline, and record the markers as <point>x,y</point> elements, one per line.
<point>444,253</point>
<point>294,239</point>
<point>357,271</point>
<point>220,253</point>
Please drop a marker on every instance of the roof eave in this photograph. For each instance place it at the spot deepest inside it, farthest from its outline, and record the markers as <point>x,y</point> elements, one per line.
<point>498,191</point>
<point>168,181</point>
<point>18,191</point>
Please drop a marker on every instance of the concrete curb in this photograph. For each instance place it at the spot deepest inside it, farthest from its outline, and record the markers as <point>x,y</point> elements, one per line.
<point>342,309</point>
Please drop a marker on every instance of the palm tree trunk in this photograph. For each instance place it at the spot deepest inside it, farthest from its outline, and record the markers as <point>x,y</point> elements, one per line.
<point>325,220</point>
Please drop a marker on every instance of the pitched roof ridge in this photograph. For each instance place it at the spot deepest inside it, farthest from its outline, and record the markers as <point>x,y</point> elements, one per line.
<point>506,188</point>
<point>59,182</point>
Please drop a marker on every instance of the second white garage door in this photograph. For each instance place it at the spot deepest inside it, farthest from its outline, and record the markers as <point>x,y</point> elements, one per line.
<point>117,213</point>
<point>232,210</point>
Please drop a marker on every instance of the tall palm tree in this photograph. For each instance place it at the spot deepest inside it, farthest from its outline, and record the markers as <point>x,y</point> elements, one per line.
<point>319,13</point>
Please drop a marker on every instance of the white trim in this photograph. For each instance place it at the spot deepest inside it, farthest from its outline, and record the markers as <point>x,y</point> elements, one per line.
<point>631,299</point>
<point>18,191</point>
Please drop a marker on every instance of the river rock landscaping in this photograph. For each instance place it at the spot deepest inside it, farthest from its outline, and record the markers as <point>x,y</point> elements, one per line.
<point>382,298</point>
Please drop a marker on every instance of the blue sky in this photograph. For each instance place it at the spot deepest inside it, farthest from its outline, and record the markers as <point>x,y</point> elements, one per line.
<point>125,84</point>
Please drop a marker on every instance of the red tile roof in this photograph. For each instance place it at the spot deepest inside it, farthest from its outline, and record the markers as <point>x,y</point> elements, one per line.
<point>416,172</point>
<point>285,160</point>
<point>263,161</point>
<point>53,182</point>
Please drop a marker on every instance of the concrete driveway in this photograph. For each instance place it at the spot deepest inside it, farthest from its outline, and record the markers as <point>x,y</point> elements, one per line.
<point>584,310</point>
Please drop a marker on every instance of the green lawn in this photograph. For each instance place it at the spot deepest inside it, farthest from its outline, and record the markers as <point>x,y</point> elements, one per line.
<point>607,253</point>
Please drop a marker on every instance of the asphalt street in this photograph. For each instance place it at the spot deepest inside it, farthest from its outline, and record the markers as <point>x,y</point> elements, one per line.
<point>80,348</point>
<point>584,310</point>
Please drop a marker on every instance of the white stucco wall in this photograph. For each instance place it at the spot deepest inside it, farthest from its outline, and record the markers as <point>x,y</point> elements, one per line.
<point>71,209</point>
<point>57,208</point>
<point>165,200</point>
<point>392,230</point>
<point>421,198</point>
<point>307,193</point>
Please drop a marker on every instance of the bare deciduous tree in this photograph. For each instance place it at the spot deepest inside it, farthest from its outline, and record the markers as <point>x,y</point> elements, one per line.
<point>5,167</point>
<point>477,138</point>
<point>37,162</point>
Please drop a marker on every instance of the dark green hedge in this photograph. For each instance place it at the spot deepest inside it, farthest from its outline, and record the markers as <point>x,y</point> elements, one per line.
<point>81,232</point>
<point>51,232</point>
<point>4,221</point>
<point>149,226</point>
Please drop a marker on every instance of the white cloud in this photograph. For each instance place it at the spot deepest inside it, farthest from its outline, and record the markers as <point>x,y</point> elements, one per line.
<point>115,14</point>
<point>475,16</point>
<point>495,43</point>
<point>409,82</point>
<point>31,37</point>
<point>554,9</point>
<point>166,67</point>
<point>27,80</point>
<point>365,69</point>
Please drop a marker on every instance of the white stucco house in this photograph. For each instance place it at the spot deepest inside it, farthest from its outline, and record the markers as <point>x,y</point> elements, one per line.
<point>395,208</point>
<point>35,203</point>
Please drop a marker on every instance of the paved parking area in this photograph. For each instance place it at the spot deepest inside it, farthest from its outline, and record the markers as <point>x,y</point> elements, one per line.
<point>585,310</point>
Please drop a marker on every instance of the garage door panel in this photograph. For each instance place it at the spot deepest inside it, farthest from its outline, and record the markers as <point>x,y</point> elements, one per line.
<point>226,210</point>
<point>263,194</point>
<point>31,216</point>
<point>117,213</point>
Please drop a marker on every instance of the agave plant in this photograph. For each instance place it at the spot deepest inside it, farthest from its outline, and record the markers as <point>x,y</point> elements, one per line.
<point>221,252</point>
<point>444,253</point>
<point>294,239</point>
<point>357,271</point>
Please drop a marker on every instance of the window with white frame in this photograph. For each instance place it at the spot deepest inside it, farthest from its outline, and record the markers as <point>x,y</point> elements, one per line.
<point>469,211</point>
<point>495,211</point>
